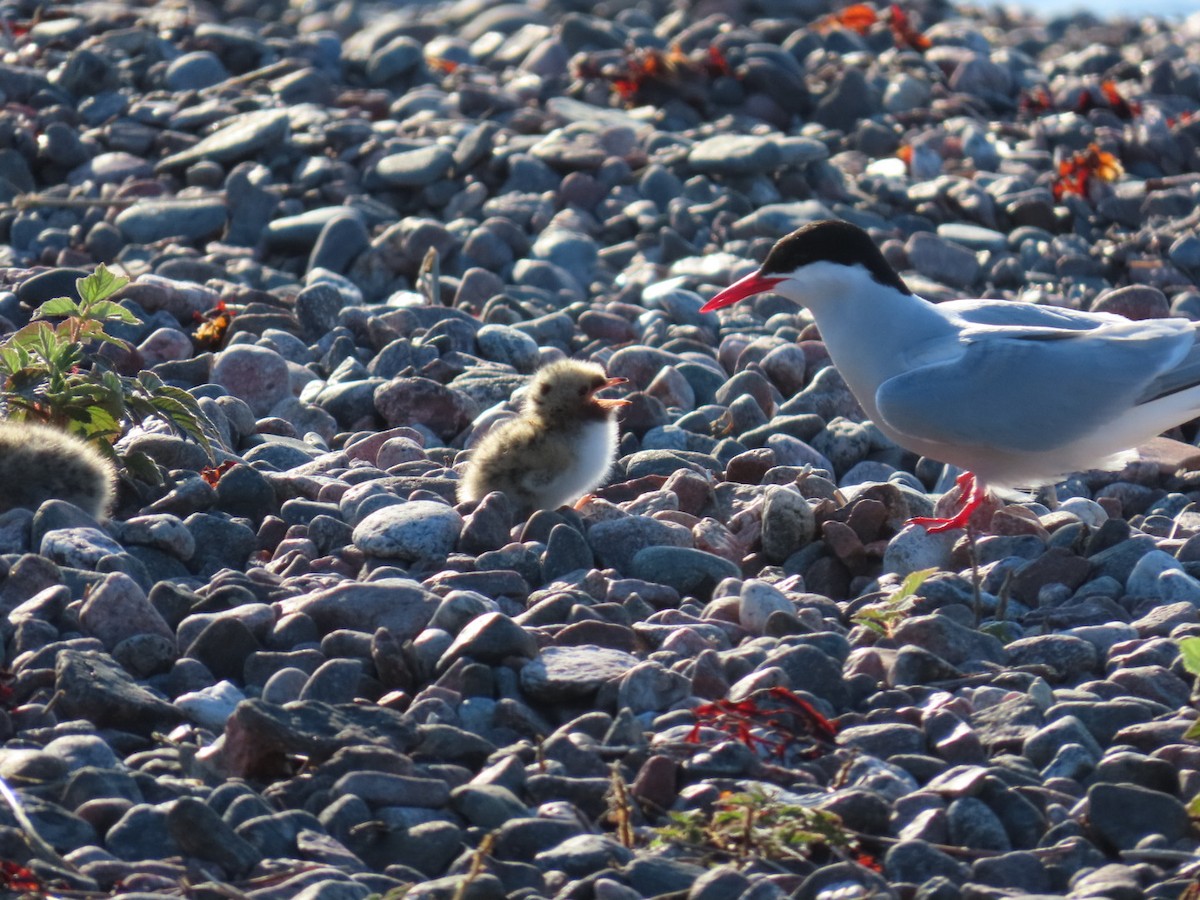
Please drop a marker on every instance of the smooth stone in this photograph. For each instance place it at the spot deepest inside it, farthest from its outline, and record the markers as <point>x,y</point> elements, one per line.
<point>417,530</point>
<point>415,400</point>
<point>948,639</point>
<point>334,681</point>
<point>757,601</point>
<point>95,688</point>
<point>487,805</point>
<point>220,542</point>
<point>584,854</point>
<point>942,260</point>
<point>573,674</point>
<point>117,608</point>
<point>254,374</point>
<point>259,735</point>
<point>507,345</point>
<point>341,240</point>
<point>411,168</point>
<point>687,570</point>
<point>1124,814</point>
<point>195,71</point>
<point>1134,301</point>
<point>650,687</point>
<point>302,230</point>
<point>224,645</point>
<point>400,605</point>
<point>788,523</point>
<point>490,638</point>
<point>850,100</point>
<point>387,789</point>
<point>154,220</point>
<point>141,833</point>
<point>1070,656</point>
<point>737,155</point>
<point>397,58</point>
<point>48,284</point>
<point>79,548</point>
<point>200,831</point>
<point>617,542</point>
<point>245,135</point>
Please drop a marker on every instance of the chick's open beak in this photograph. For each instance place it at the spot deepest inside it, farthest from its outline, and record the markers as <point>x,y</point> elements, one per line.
<point>754,283</point>
<point>611,403</point>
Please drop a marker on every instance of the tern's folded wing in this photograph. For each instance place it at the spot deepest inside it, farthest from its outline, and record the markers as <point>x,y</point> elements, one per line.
<point>1029,388</point>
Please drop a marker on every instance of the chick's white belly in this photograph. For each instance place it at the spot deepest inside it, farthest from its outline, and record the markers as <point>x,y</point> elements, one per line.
<point>595,447</point>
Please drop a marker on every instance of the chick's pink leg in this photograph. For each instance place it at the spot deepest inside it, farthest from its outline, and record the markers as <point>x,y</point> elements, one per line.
<point>975,495</point>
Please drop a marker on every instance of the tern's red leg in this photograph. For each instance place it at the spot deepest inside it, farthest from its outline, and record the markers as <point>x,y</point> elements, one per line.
<point>975,495</point>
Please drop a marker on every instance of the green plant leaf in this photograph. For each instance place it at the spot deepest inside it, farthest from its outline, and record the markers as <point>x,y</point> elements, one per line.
<point>149,381</point>
<point>756,824</point>
<point>142,467</point>
<point>26,381</point>
<point>1193,733</point>
<point>1193,807</point>
<point>91,393</point>
<point>21,409</point>
<point>12,359</point>
<point>1189,649</point>
<point>29,337</point>
<point>913,581</point>
<point>109,311</point>
<point>49,345</point>
<point>175,406</point>
<point>56,374</point>
<point>181,397</point>
<point>104,336</point>
<point>874,617</point>
<point>59,306</point>
<point>1005,631</point>
<point>183,420</point>
<point>100,285</point>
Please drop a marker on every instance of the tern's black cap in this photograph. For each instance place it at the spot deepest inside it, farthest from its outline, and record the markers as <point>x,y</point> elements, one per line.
<point>835,241</point>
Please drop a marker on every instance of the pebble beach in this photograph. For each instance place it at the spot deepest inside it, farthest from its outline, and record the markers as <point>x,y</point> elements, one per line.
<point>299,669</point>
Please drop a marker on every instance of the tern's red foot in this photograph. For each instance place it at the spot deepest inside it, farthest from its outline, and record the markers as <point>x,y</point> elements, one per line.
<point>975,495</point>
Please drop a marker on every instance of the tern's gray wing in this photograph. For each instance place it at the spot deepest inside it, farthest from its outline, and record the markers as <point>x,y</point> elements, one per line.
<point>1014,316</point>
<point>1181,376</point>
<point>1031,386</point>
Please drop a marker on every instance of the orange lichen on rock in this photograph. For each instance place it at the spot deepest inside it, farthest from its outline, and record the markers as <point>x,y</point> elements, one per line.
<point>213,325</point>
<point>645,68</point>
<point>1108,97</point>
<point>858,18</point>
<point>903,32</point>
<point>1075,173</point>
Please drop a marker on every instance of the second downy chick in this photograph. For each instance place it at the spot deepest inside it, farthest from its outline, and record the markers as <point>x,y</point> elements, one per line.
<point>40,463</point>
<point>560,447</point>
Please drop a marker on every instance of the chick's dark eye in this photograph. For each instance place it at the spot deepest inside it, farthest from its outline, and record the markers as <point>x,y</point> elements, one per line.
<point>583,390</point>
<point>544,390</point>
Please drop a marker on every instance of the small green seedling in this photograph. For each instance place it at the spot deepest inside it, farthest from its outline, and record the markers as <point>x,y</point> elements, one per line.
<point>55,374</point>
<point>883,616</point>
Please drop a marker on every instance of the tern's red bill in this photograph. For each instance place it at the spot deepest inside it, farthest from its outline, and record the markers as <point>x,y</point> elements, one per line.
<point>752,284</point>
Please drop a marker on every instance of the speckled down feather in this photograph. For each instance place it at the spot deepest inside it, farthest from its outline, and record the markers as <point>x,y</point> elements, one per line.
<point>40,463</point>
